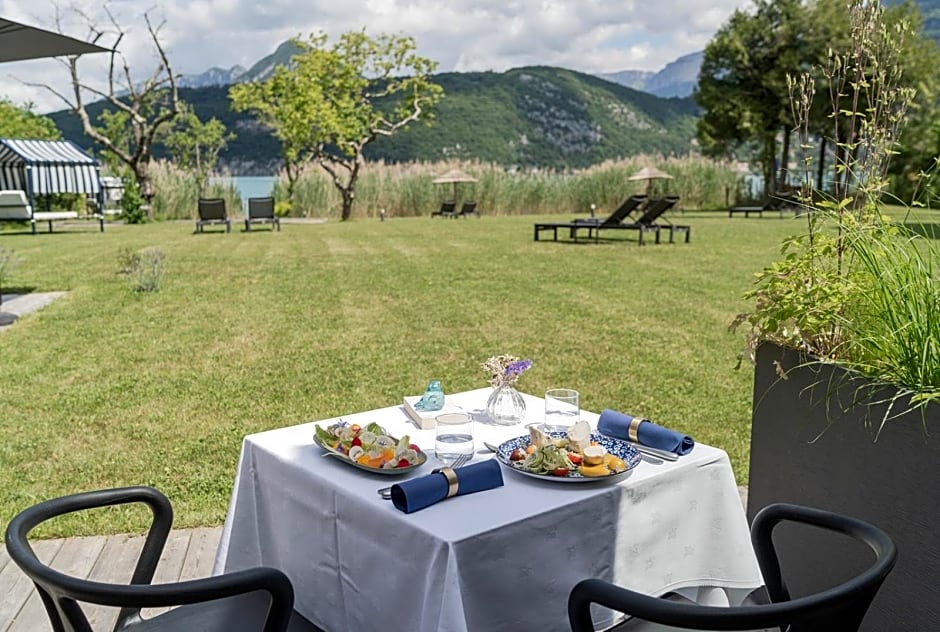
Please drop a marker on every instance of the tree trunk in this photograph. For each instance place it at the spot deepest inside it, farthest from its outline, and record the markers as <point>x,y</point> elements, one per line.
<point>145,185</point>
<point>784,158</point>
<point>348,197</point>
<point>767,160</point>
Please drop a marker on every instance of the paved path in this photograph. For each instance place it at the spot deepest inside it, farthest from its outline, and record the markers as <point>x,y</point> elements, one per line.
<point>189,554</point>
<point>22,304</point>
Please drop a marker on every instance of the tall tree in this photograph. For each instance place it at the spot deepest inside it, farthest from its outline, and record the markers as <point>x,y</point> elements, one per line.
<point>22,122</point>
<point>743,82</point>
<point>196,144</point>
<point>139,108</point>
<point>334,100</point>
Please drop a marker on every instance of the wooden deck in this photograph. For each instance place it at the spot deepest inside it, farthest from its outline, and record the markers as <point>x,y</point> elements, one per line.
<point>188,554</point>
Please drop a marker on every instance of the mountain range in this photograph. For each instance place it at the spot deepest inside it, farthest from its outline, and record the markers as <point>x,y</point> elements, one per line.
<point>527,117</point>
<point>676,79</point>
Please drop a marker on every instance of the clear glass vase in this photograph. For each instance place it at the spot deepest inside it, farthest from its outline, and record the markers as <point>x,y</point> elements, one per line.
<point>505,406</point>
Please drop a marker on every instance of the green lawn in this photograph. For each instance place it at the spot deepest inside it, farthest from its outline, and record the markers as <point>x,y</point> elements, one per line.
<point>261,330</point>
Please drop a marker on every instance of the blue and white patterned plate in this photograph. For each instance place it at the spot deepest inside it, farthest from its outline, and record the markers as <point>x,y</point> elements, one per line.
<point>617,447</point>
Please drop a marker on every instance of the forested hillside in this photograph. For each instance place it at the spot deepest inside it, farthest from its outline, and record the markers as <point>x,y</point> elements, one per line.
<point>536,116</point>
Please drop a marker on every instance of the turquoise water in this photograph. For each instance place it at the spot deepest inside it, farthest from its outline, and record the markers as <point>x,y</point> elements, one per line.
<point>250,186</point>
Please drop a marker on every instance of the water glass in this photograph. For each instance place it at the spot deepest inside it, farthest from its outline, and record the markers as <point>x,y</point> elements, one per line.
<point>562,409</point>
<point>453,436</point>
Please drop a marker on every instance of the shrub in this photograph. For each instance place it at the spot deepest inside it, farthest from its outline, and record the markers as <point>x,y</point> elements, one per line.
<point>145,268</point>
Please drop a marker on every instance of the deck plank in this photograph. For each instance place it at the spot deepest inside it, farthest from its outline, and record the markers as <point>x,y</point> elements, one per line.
<point>16,587</point>
<point>115,565</point>
<point>4,558</point>
<point>170,567</point>
<point>75,557</point>
<point>201,554</point>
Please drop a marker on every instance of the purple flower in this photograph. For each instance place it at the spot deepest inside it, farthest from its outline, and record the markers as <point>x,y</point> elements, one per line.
<point>517,367</point>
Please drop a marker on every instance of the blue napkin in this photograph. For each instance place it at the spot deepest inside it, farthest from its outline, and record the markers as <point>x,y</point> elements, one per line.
<point>614,424</point>
<point>418,493</point>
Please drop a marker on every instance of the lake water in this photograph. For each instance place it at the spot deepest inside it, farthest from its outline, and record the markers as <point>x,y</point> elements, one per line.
<point>250,186</point>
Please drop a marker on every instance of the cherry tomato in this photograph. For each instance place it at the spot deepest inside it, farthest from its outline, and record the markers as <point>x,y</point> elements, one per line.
<point>560,471</point>
<point>574,457</point>
<point>355,441</point>
<point>414,447</point>
<point>517,455</point>
<point>403,463</point>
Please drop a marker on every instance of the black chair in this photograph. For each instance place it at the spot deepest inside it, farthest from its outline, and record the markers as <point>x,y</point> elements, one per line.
<point>837,609</point>
<point>212,211</point>
<point>259,598</point>
<point>261,211</point>
<point>468,208</point>
<point>448,209</point>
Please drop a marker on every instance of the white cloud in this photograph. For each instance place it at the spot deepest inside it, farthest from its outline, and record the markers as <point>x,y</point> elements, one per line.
<point>462,35</point>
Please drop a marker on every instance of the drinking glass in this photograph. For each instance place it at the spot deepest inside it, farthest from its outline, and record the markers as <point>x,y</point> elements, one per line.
<point>562,409</point>
<point>453,436</point>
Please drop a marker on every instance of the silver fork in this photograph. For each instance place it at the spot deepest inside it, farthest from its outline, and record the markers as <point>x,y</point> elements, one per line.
<point>386,492</point>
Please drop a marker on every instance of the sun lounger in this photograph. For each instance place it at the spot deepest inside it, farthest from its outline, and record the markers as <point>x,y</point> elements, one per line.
<point>468,208</point>
<point>780,202</point>
<point>653,216</point>
<point>594,224</point>
<point>15,207</point>
<point>448,209</point>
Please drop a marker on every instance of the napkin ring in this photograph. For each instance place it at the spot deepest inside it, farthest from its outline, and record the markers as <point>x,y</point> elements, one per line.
<point>634,427</point>
<point>451,477</point>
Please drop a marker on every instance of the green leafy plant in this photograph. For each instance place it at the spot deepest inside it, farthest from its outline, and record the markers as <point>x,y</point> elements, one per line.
<point>855,288</point>
<point>132,204</point>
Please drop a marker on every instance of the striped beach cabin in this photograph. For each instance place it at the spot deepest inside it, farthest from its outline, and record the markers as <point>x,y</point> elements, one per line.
<point>41,167</point>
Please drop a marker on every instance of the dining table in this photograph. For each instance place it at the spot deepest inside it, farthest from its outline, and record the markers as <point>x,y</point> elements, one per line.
<point>501,559</point>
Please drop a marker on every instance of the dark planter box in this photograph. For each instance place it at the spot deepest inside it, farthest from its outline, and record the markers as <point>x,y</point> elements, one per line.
<point>813,442</point>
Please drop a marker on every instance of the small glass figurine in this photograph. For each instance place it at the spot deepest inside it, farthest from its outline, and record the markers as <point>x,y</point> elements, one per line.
<point>433,398</point>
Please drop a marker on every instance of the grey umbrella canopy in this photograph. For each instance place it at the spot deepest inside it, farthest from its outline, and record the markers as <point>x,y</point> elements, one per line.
<point>454,176</point>
<point>649,174</point>
<point>19,42</point>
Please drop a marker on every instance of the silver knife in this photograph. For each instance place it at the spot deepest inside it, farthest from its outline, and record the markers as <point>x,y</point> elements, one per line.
<point>662,454</point>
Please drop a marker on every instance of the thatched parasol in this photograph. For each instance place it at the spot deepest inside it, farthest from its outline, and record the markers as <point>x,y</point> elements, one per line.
<point>454,176</point>
<point>649,174</point>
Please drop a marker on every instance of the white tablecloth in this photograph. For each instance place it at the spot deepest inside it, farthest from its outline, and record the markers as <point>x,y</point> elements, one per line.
<point>503,559</point>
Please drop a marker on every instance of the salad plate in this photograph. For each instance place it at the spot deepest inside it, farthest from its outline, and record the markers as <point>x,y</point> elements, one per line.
<point>370,448</point>
<point>616,447</point>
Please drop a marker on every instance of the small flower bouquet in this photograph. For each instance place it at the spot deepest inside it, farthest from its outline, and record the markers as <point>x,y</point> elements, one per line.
<point>504,370</point>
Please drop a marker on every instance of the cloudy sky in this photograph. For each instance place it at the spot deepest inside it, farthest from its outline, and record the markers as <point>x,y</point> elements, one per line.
<point>592,36</point>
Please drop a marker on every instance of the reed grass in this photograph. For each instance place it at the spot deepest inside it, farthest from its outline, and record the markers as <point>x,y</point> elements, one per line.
<point>406,190</point>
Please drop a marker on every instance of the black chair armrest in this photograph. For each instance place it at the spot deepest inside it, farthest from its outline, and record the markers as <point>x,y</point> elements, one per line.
<point>19,528</point>
<point>772,515</point>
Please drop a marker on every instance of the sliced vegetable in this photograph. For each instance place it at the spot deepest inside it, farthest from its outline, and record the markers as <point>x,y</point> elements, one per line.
<point>370,446</point>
